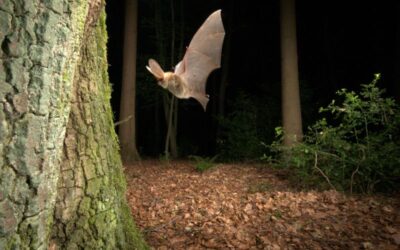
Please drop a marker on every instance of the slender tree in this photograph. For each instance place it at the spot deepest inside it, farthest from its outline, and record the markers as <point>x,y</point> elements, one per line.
<point>291,110</point>
<point>170,110</point>
<point>61,179</point>
<point>171,103</point>
<point>396,84</point>
<point>225,64</point>
<point>127,129</point>
<point>166,30</point>
<point>160,45</point>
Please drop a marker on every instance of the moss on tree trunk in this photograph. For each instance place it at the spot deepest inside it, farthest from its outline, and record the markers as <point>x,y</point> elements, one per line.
<point>60,172</point>
<point>91,210</point>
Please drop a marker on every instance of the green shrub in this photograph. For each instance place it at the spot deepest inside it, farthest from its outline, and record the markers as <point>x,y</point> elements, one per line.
<point>239,139</point>
<point>356,148</point>
<point>203,163</point>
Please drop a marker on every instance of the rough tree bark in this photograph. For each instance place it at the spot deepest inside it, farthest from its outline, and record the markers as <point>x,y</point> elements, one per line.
<point>59,162</point>
<point>127,130</point>
<point>291,109</point>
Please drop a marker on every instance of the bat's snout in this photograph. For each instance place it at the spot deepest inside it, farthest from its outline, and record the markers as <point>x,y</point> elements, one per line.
<point>162,83</point>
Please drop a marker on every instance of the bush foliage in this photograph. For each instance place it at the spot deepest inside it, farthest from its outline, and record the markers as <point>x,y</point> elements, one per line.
<point>239,139</point>
<point>355,147</point>
<point>203,163</point>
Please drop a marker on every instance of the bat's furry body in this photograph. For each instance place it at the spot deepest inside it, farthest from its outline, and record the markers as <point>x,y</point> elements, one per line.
<point>202,56</point>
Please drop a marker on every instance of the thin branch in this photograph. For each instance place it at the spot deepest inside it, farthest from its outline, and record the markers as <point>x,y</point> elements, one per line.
<point>352,178</point>
<point>168,137</point>
<point>123,121</point>
<point>321,172</point>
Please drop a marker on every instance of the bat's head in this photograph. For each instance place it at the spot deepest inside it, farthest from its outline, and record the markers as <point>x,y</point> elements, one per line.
<point>162,83</point>
<point>169,80</point>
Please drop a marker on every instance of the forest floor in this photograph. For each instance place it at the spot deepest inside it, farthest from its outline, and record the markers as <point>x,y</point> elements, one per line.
<point>238,206</point>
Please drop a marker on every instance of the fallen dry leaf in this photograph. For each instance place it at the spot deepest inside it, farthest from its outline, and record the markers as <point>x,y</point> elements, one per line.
<point>396,238</point>
<point>179,208</point>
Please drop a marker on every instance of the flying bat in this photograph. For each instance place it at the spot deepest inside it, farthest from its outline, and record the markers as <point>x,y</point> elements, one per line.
<point>203,55</point>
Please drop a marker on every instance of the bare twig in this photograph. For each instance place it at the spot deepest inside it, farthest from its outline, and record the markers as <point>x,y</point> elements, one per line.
<point>352,179</point>
<point>356,171</point>
<point>123,121</point>
<point>157,228</point>
<point>322,172</point>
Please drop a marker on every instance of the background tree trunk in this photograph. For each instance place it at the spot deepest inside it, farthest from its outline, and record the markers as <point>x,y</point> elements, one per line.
<point>225,64</point>
<point>160,39</point>
<point>396,80</point>
<point>127,130</point>
<point>171,112</point>
<point>53,73</point>
<point>291,109</point>
<point>165,30</point>
<point>171,105</point>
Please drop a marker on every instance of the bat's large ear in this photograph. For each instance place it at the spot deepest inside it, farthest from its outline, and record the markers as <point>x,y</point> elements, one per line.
<point>155,69</point>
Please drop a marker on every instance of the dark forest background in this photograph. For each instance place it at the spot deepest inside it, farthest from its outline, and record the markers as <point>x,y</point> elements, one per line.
<point>341,44</point>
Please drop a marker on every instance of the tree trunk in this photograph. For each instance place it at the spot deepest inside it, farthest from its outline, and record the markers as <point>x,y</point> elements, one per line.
<point>173,107</point>
<point>291,110</point>
<point>225,65</point>
<point>53,175</point>
<point>170,148</point>
<point>127,130</point>
<point>396,78</point>
<point>40,47</point>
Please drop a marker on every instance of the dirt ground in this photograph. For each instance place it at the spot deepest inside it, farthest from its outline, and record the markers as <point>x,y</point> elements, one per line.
<point>233,206</point>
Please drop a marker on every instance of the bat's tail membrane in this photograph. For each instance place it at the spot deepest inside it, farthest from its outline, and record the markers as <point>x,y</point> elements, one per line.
<point>203,99</point>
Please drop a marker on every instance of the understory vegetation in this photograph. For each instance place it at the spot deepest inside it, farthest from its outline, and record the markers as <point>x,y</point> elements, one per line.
<point>354,147</point>
<point>239,137</point>
<point>202,164</point>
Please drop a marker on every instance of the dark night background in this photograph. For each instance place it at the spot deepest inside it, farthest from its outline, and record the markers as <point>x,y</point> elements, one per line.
<point>340,44</point>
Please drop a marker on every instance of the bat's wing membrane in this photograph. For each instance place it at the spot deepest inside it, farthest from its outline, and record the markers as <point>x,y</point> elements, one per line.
<point>203,54</point>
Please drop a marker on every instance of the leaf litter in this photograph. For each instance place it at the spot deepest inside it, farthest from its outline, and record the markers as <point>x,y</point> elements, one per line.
<point>238,206</point>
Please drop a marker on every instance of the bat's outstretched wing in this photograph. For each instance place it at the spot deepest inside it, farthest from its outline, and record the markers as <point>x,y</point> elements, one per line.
<point>202,56</point>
